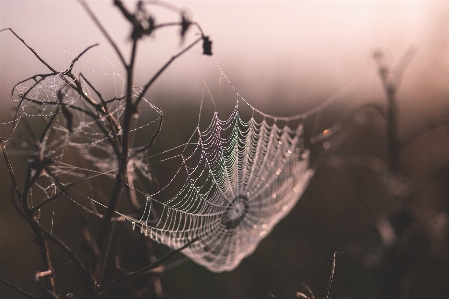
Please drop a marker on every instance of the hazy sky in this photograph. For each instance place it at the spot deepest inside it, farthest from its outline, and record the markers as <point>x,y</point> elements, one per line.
<point>288,49</point>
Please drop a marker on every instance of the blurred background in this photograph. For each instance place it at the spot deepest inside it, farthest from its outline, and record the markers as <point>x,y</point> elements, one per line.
<point>284,57</point>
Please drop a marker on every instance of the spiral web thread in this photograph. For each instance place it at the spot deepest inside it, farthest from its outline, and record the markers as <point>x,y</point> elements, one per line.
<point>234,180</point>
<point>236,189</point>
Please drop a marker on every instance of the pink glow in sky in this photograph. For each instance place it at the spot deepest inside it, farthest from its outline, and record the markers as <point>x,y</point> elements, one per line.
<point>287,49</point>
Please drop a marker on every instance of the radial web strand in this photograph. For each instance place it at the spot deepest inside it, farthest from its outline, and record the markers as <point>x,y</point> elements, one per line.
<point>230,183</point>
<point>238,180</point>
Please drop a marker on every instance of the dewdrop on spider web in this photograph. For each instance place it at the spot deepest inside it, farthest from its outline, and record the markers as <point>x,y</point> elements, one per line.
<point>237,178</point>
<point>233,181</point>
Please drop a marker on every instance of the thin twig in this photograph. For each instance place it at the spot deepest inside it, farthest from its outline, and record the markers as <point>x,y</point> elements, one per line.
<point>39,165</point>
<point>116,193</point>
<point>35,78</point>
<point>153,139</point>
<point>23,96</point>
<point>87,112</point>
<point>31,49</point>
<point>145,269</point>
<point>10,170</point>
<point>106,254</point>
<point>50,199</point>
<point>15,204</point>
<point>103,30</point>
<point>161,70</point>
<point>17,289</point>
<point>48,126</point>
<point>113,123</point>
<point>78,57</point>
<point>88,277</point>
<point>95,90</point>
<point>64,248</point>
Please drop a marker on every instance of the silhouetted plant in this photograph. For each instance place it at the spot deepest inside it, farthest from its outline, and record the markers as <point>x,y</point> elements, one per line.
<point>69,97</point>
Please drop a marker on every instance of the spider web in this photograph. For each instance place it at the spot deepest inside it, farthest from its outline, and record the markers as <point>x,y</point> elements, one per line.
<point>231,182</point>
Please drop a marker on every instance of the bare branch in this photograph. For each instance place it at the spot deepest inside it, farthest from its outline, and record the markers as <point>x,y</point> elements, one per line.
<point>31,49</point>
